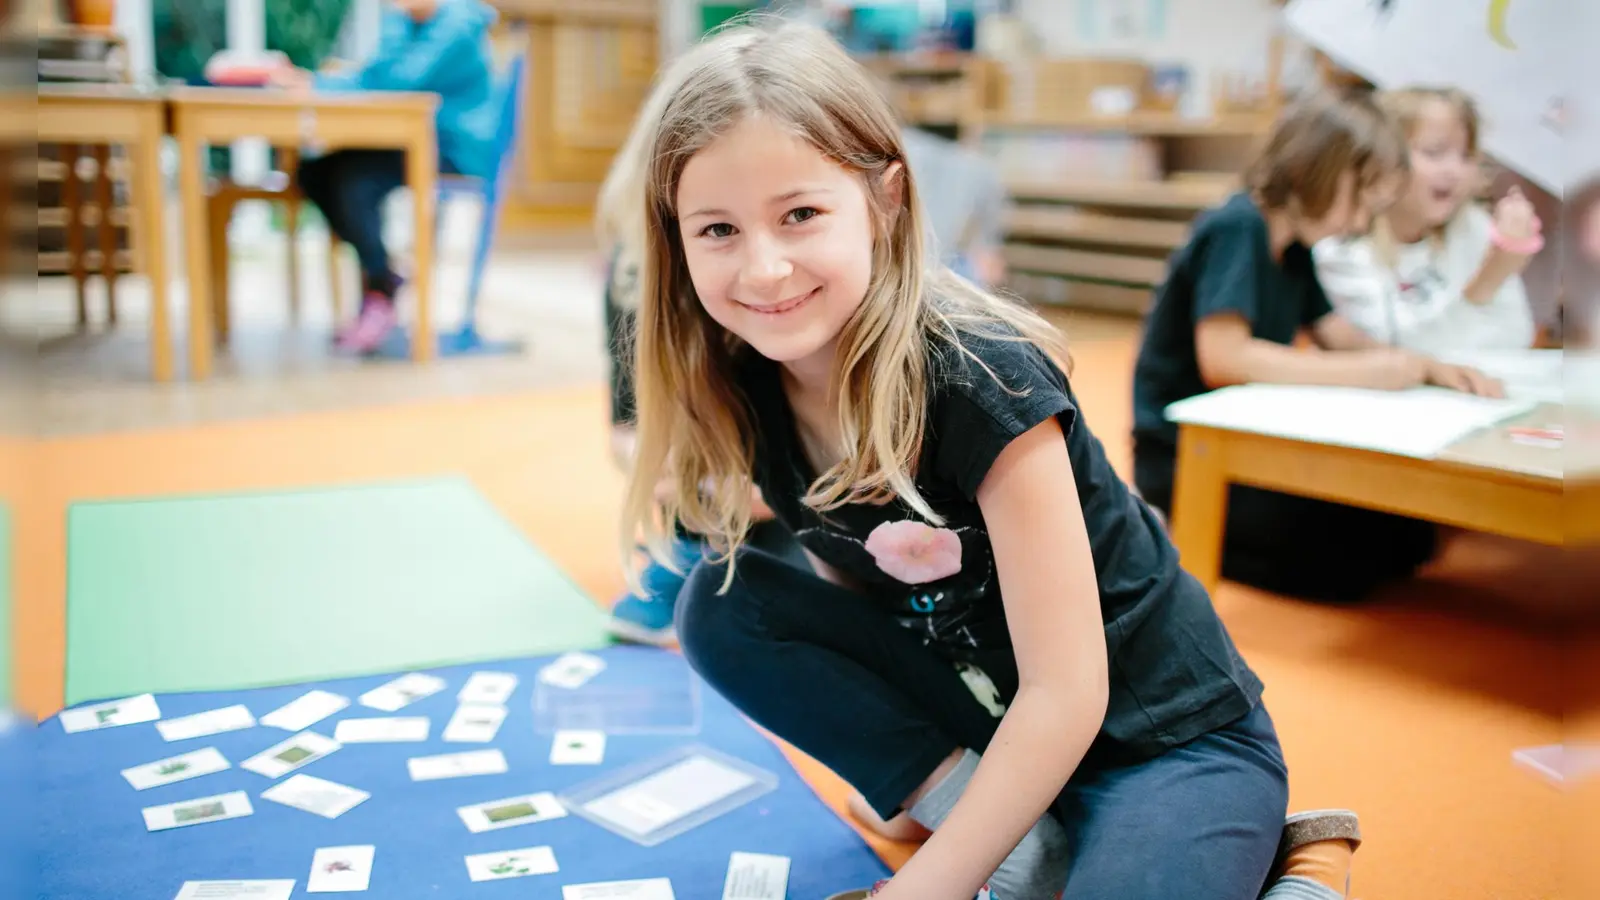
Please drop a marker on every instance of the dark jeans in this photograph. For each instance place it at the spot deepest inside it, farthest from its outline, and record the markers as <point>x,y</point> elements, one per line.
<point>828,671</point>
<point>1301,546</point>
<point>349,187</point>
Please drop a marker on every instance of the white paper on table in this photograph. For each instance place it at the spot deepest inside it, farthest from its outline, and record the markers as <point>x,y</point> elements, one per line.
<point>1536,375</point>
<point>1421,422</point>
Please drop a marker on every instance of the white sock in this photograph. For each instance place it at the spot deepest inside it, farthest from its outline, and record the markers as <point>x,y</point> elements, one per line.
<point>1293,887</point>
<point>1035,870</point>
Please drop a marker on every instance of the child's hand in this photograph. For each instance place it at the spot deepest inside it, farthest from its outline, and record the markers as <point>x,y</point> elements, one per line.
<point>1516,224</point>
<point>290,78</point>
<point>1396,370</point>
<point>1464,379</point>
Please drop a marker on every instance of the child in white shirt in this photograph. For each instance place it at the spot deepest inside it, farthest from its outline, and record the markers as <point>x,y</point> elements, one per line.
<point>1437,273</point>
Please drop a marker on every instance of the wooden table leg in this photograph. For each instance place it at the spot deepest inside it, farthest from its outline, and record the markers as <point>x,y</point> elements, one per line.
<point>1200,504</point>
<point>103,198</point>
<point>192,189</point>
<point>149,239</point>
<point>422,176</point>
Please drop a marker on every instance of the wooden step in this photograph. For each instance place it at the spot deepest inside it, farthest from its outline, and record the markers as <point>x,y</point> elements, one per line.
<point>1058,224</point>
<point>1186,194</point>
<point>1085,264</point>
<point>1048,290</point>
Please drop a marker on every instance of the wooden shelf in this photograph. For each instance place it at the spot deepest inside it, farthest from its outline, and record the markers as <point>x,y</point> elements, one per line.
<point>1145,123</point>
<point>1086,264</point>
<point>60,261</point>
<point>1186,194</point>
<point>1047,223</point>
<point>1054,291</point>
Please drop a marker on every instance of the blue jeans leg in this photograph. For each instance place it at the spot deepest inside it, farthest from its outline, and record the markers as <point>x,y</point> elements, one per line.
<point>1199,822</point>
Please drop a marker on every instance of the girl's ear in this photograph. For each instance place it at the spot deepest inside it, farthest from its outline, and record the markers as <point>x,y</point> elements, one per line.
<point>893,184</point>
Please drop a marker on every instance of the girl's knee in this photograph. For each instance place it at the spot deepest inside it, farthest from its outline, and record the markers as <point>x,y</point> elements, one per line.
<point>713,628</point>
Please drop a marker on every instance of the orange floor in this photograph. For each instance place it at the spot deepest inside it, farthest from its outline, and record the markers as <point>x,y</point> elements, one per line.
<point>1406,709</point>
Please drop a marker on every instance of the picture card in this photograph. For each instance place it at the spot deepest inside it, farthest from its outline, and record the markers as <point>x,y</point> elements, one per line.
<point>510,812</point>
<point>756,876</point>
<point>285,756</point>
<point>488,688</point>
<point>382,731</point>
<point>231,805</point>
<point>572,670</point>
<point>327,799</point>
<point>305,711</point>
<point>646,889</point>
<point>512,864</point>
<point>214,721</point>
<point>176,768</point>
<point>337,870</point>
<point>456,765</point>
<point>578,748</point>
<point>236,890</point>
<point>112,713</point>
<point>403,691</point>
<point>474,724</point>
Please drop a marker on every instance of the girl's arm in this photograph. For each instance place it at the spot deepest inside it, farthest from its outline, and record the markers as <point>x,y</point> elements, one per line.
<point>1052,602</point>
<point>1517,224</point>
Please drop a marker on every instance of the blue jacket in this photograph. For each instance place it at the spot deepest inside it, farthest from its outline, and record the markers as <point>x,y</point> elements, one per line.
<point>447,55</point>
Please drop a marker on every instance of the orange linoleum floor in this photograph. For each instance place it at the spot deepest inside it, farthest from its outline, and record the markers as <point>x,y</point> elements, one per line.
<point>1407,709</point>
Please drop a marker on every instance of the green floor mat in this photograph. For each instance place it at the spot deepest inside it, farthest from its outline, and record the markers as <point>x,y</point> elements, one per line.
<point>6,660</point>
<point>220,593</point>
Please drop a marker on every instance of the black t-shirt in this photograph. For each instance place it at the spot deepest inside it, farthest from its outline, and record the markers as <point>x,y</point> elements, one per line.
<point>1227,267</point>
<point>1174,671</point>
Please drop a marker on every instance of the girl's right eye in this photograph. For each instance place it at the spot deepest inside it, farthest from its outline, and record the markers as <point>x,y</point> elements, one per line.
<point>717,230</point>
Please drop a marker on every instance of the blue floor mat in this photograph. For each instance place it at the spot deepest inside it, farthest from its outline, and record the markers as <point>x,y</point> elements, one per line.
<point>92,842</point>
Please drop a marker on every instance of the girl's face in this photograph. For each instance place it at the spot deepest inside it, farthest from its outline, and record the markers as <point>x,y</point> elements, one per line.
<point>1353,207</point>
<point>778,241</point>
<point>1444,171</point>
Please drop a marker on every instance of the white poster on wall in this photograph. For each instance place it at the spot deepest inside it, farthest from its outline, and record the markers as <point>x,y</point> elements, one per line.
<point>1518,58</point>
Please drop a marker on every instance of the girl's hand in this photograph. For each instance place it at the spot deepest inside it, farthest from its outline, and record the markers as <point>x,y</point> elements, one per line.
<point>1464,379</point>
<point>1515,222</point>
<point>290,78</point>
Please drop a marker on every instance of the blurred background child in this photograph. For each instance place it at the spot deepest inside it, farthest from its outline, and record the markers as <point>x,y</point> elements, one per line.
<point>434,46</point>
<point>1236,299</point>
<point>1436,273</point>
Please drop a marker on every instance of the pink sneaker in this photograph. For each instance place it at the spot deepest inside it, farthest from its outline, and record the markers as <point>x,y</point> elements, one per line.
<point>368,332</point>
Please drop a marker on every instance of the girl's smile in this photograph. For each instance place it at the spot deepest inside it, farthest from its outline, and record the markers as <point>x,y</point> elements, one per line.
<point>784,306</point>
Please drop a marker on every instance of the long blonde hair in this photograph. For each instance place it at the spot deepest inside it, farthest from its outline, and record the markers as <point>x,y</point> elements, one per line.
<point>1405,108</point>
<point>695,428</point>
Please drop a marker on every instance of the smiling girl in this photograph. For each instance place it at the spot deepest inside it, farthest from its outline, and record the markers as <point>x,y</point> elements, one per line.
<point>1437,273</point>
<point>965,534</point>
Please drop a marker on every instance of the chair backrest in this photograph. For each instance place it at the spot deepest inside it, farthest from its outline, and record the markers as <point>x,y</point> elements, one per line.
<point>510,125</point>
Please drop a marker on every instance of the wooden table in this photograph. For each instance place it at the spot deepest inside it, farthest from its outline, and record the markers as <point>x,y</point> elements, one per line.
<point>1485,482</point>
<point>404,121</point>
<point>135,118</point>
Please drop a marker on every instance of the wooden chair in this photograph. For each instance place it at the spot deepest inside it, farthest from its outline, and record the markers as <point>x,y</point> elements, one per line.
<point>225,196</point>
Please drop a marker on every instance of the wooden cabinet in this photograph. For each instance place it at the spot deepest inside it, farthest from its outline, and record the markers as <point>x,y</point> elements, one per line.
<point>590,67</point>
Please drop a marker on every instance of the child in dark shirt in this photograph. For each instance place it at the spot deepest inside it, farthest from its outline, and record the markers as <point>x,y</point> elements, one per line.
<point>1237,297</point>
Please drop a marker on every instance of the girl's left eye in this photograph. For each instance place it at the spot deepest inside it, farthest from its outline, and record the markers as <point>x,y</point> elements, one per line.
<point>803,214</point>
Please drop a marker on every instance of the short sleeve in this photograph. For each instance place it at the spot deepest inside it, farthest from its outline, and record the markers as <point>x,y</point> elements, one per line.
<point>1317,304</point>
<point>976,415</point>
<point>1232,254</point>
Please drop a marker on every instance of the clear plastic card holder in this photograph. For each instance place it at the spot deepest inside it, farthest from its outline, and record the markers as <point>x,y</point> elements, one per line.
<point>663,707</point>
<point>660,798</point>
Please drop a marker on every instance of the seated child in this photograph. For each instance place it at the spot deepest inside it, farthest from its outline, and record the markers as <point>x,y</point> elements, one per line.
<point>1237,296</point>
<point>435,46</point>
<point>1436,273</point>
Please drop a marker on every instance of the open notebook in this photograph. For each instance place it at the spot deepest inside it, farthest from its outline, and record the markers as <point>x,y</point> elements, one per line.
<point>1420,422</point>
